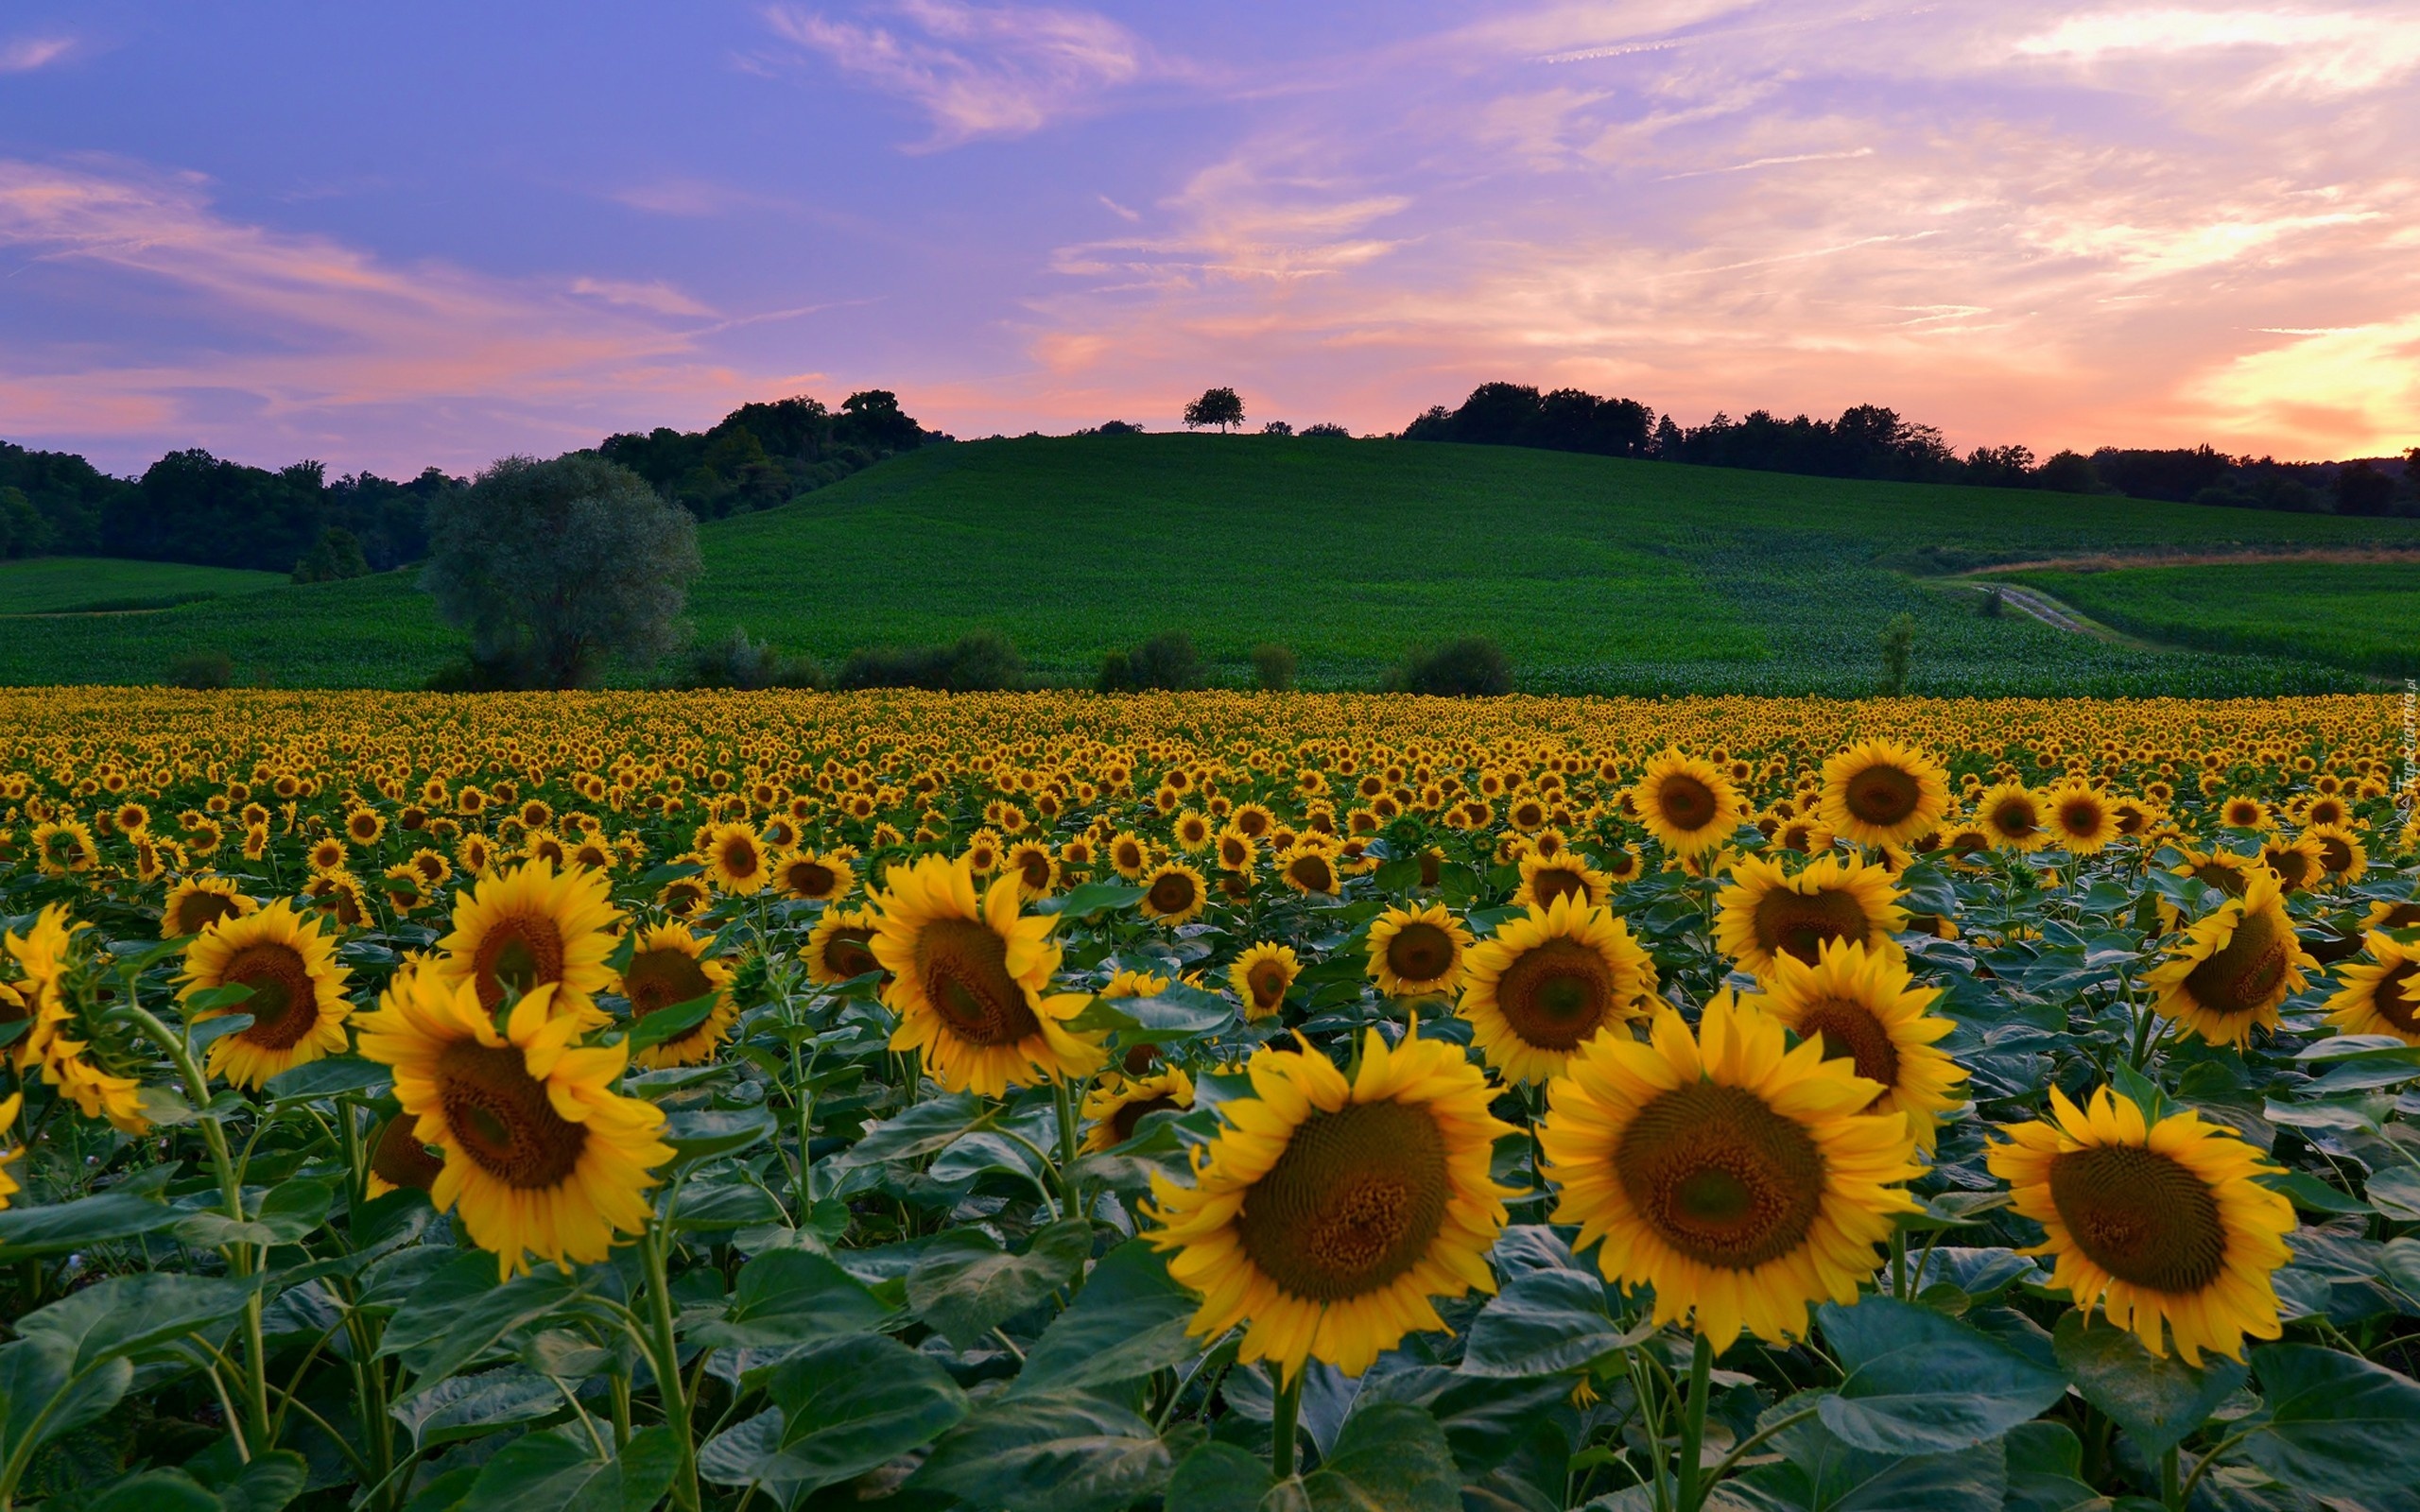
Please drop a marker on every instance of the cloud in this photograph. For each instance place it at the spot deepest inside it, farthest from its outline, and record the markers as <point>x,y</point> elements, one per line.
<point>978,71</point>
<point>656,296</point>
<point>27,54</point>
<point>240,335</point>
<point>2325,52</point>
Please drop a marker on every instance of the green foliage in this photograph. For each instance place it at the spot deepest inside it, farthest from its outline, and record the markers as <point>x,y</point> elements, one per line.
<point>1898,652</point>
<point>201,670</point>
<point>1473,667</point>
<point>1222,407</point>
<point>560,569</point>
<point>1594,575</point>
<point>1272,667</point>
<point>335,556</point>
<point>983,662</point>
<point>2364,615</point>
<point>1166,662</point>
<point>736,661</point>
<point>97,585</point>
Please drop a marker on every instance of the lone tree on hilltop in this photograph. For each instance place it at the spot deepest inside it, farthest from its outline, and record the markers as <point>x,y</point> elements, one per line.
<point>559,568</point>
<point>1222,407</point>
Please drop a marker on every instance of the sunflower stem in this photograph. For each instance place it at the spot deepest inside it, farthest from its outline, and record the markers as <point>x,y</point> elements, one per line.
<point>1062,1097</point>
<point>2171,1493</point>
<point>1281,1424</point>
<point>240,1258</point>
<point>1693,1423</point>
<point>666,1352</point>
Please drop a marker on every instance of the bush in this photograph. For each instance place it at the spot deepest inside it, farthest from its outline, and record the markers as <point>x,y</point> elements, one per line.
<point>203,671</point>
<point>981,662</point>
<point>1474,667</point>
<point>1272,668</point>
<point>471,673</point>
<point>1329,429</point>
<point>1166,662</point>
<point>1117,674</point>
<point>335,557</point>
<point>1277,427</point>
<point>1898,652</point>
<point>736,661</point>
<point>1994,602</point>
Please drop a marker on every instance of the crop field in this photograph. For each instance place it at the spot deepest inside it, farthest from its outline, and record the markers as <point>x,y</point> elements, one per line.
<point>1055,1102</point>
<point>1596,575</point>
<point>2361,615</point>
<point>61,585</point>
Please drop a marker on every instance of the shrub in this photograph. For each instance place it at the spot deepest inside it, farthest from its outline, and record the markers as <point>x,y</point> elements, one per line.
<point>471,673</point>
<point>203,671</point>
<point>1277,427</point>
<point>736,661</point>
<point>1994,602</point>
<point>1167,662</point>
<point>335,556</point>
<point>1272,668</point>
<point>1898,652</point>
<point>981,662</point>
<point>1474,667</point>
<point>1330,430</point>
<point>1117,674</point>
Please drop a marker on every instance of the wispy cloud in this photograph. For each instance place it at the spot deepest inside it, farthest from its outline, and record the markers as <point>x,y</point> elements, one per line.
<point>2317,51</point>
<point>29,53</point>
<point>977,71</point>
<point>307,339</point>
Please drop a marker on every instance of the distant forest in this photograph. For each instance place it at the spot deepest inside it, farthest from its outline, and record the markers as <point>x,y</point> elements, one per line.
<point>191,507</point>
<point>1869,441</point>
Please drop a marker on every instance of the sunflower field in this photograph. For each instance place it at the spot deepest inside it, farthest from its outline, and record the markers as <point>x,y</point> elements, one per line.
<point>1206,1102</point>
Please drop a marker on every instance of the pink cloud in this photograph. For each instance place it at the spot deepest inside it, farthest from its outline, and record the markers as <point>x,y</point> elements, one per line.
<point>977,71</point>
<point>27,54</point>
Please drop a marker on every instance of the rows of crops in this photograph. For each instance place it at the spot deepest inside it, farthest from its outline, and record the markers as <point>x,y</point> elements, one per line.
<point>1594,575</point>
<point>1214,1102</point>
<point>2354,614</point>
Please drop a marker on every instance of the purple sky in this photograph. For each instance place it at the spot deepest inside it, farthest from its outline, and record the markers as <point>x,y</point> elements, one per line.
<point>386,237</point>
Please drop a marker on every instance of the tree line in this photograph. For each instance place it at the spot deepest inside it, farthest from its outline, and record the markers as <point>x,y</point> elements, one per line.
<point>191,507</point>
<point>1873,441</point>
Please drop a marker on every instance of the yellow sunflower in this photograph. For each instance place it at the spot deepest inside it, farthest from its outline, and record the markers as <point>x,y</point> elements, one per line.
<point>197,902</point>
<point>1035,868</point>
<point>1688,805</point>
<point>838,948</point>
<point>1308,866</point>
<point>735,859</point>
<point>1566,873</point>
<point>1128,855</point>
<point>399,1159</point>
<point>668,967</point>
<point>2298,863</point>
<point>970,981</point>
<point>2154,1223</point>
<point>1417,952</point>
<point>1262,976</point>
<point>2011,813</point>
<point>1119,1103</point>
<point>63,847</point>
<point>45,954</point>
<point>1173,893</point>
<point>1879,792</point>
<point>543,1156</point>
<point>1767,911</point>
<point>1541,986</point>
<point>2342,858</point>
<point>1328,1212</point>
<point>519,930</point>
<point>1862,1007</point>
<point>819,878</point>
<point>2082,820</point>
<point>1740,1180</point>
<point>298,1004</point>
<point>2380,995</point>
<point>9,1106</point>
<point>2234,967</point>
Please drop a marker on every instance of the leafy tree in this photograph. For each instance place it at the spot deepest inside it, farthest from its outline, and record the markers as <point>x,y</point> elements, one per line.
<point>560,568</point>
<point>1166,662</point>
<point>1117,674</point>
<point>1222,407</point>
<point>983,662</point>
<point>2361,489</point>
<point>23,532</point>
<point>1277,427</point>
<point>1328,430</point>
<point>2068,473</point>
<point>336,554</point>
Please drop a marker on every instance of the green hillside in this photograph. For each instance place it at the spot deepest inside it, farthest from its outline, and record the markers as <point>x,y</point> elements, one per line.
<point>1594,575</point>
<point>52,585</point>
<point>2363,615</point>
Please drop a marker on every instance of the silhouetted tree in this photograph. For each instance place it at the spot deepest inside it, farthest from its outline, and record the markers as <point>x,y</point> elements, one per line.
<point>2361,489</point>
<point>1222,407</point>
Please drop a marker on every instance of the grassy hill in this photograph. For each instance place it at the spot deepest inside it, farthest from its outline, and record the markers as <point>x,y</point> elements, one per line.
<point>2362,615</point>
<point>1594,575</point>
<point>54,585</point>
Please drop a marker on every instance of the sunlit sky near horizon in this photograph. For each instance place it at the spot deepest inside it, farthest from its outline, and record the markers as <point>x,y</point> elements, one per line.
<point>392,237</point>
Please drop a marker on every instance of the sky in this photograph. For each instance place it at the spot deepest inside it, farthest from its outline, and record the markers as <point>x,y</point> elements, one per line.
<point>394,236</point>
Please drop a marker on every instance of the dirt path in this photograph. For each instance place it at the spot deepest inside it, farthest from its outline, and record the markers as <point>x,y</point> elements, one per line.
<point>2044,608</point>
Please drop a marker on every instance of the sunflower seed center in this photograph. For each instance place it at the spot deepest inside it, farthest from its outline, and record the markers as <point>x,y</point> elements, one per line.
<point>1352,1204</point>
<point>2141,1216</point>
